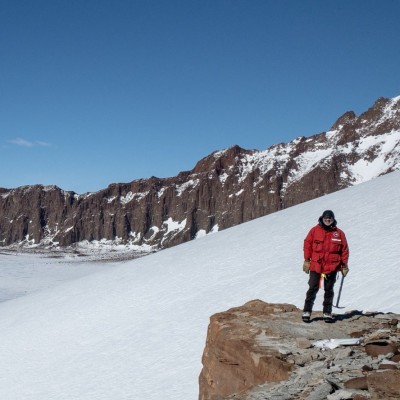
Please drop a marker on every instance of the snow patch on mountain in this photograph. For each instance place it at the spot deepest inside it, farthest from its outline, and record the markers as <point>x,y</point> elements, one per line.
<point>173,226</point>
<point>187,185</point>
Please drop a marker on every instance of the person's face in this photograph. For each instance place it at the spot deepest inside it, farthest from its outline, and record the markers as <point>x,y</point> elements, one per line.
<point>327,220</point>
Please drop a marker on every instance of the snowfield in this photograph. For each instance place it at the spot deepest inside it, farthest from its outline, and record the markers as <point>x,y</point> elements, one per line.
<point>136,329</point>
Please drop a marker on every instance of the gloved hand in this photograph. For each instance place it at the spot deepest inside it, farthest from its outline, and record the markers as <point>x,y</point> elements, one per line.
<point>306,266</point>
<point>345,269</point>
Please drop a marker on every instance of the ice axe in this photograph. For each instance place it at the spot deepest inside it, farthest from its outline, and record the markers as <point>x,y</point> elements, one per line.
<point>339,294</point>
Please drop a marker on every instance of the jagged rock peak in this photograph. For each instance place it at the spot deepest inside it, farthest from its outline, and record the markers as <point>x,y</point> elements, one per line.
<point>38,188</point>
<point>348,117</point>
<point>220,159</point>
<point>381,111</point>
<point>382,117</point>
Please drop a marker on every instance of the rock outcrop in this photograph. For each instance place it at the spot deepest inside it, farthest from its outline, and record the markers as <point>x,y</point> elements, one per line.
<point>265,351</point>
<point>224,189</point>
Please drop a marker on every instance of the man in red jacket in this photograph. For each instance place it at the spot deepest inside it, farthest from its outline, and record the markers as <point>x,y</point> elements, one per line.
<point>326,252</point>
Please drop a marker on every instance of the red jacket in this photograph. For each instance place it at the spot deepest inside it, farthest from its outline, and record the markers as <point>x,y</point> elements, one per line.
<point>327,249</point>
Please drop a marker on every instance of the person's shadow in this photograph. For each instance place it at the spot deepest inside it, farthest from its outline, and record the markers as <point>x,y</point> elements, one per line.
<point>356,313</point>
<point>343,317</point>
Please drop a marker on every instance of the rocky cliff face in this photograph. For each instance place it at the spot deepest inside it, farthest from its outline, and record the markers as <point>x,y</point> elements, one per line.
<point>264,351</point>
<point>224,189</point>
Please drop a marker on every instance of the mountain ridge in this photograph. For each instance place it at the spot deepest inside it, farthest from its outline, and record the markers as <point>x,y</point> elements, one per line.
<point>225,188</point>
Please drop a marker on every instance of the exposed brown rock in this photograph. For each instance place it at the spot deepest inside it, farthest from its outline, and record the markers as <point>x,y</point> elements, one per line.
<point>357,383</point>
<point>236,357</point>
<point>384,385</point>
<point>388,365</point>
<point>260,351</point>
<point>360,397</point>
<point>396,358</point>
<point>303,343</point>
<point>348,117</point>
<point>367,368</point>
<point>380,348</point>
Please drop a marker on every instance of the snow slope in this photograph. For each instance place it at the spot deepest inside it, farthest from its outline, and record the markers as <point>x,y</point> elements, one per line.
<point>137,330</point>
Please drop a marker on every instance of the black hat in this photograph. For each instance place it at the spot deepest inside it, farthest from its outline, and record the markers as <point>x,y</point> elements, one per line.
<point>328,214</point>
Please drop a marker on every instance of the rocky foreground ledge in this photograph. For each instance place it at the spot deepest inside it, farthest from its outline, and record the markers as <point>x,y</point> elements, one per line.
<point>265,351</point>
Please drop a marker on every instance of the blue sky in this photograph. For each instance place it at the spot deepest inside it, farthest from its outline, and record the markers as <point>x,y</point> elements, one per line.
<point>94,92</point>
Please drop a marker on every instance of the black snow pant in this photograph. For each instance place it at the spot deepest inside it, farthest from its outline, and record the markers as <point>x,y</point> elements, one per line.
<point>313,283</point>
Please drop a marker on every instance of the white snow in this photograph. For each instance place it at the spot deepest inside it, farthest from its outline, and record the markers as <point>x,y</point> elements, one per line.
<point>223,177</point>
<point>24,274</point>
<point>129,197</point>
<point>174,225</point>
<point>308,160</point>
<point>214,229</point>
<point>391,109</point>
<point>238,193</point>
<point>364,170</point>
<point>187,185</point>
<point>104,247</point>
<point>137,329</point>
<point>333,343</point>
<point>201,233</point>
<point>161,192</point>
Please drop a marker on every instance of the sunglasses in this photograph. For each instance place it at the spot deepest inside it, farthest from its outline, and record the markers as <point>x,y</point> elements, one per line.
<point>330,218</point>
